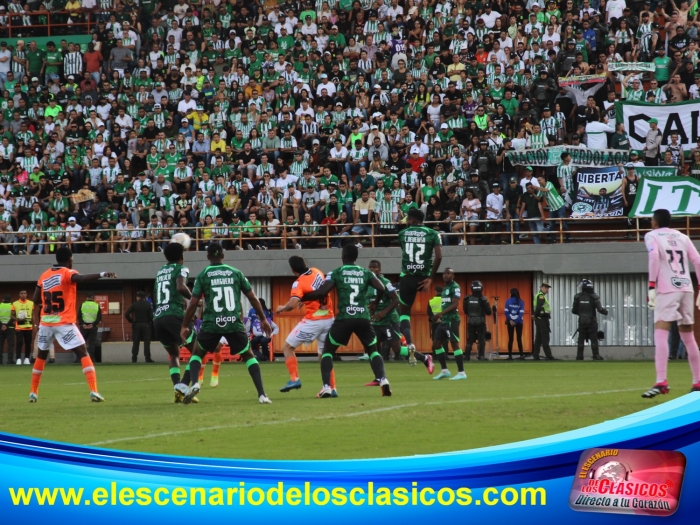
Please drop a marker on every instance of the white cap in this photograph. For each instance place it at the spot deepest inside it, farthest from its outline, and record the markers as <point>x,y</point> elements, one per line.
<point>415,149</point>
<point>71,219</point>
<point>443,126</point>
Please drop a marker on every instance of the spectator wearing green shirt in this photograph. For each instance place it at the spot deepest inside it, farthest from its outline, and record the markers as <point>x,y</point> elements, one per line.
<point>557,207</point>
<point>252,230</point>
<point>103,238</point>
<point>53,60</point>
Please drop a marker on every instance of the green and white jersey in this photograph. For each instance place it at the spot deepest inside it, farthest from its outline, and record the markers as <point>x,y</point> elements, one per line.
<point>168,301</point>
<point>351,284</point>
<point>417,243</point>
<point>221,285</point>
<point>393,317</point>
<point>449,292</point>
<point>566,174</point>
<point>554,200</point>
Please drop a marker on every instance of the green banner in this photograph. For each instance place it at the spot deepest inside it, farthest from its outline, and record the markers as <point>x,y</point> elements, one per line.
<point>679,195</point>
<point>631,66</point>
<point>551,156</point>
<point>656,171</point>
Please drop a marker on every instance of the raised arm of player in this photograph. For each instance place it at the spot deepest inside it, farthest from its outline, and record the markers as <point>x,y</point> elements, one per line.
<point>255,303</point>
<point>425,284</point>
<point>324,290</point>
<point>89,277</point>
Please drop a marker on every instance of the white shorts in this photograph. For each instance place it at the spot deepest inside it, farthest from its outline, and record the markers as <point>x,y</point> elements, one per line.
<point>308,331</point>
<point>675,306</point>
<point>67,335</point>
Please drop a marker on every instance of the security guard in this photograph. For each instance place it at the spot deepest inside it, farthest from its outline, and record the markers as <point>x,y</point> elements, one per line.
<point>89,319</point>
<point>543,313</point>
<point>24,328</point>
<point>434,308</point>
<point>140,315</point>
<point>585,305</point>
<point>477,308</point>
<point>7,329</point>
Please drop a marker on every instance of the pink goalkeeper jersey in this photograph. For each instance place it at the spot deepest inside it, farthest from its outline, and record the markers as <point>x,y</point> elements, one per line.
<point>670,255</point>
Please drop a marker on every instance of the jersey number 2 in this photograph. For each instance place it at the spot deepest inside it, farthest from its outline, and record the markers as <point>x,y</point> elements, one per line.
<point>53,302</point>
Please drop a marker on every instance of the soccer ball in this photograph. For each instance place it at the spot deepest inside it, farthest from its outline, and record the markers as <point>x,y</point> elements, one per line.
<point>182,238</point>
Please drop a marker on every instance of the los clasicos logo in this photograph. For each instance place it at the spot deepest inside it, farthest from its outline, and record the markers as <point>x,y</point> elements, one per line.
<point>619,481</point>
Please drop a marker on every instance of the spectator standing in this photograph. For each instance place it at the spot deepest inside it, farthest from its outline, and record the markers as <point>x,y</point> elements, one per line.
<point>140,315</point>
<point>652,144</point>
<point>24,327</point>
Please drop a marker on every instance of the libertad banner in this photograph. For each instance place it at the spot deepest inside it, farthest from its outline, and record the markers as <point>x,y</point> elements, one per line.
<point>656,171</point>
<point>679,195</point>
<point>599,193</point>
<point>681,118</point>
<point>579,156</point>
<point>631,66</point>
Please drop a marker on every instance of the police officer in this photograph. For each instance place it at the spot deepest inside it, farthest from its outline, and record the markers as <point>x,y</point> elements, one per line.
<point>585,305</point>
<point>89,318</point>
<point>140,315</point>
<point>477,308</point>
<point>7,329</point>
<point>543,314</point>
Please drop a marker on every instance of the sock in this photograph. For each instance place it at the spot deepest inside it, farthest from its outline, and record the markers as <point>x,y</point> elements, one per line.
<point>216,364</point>
<point>459,358</point>
<point>377,363</point>
<point>293,367</point>
<point>440,353</point>
<point>661,354</point>
<point>332,379</point>
<point>38,370</point>
<point>691,346</point>
<point>406,328</point>
<point>175,375</point>
<point>254,371</point>
<point>326,368</point>
<point>195,366</point>
<point>420,357</point>
<point>186,375</point>
<point>89,371</point>
<point>200,377</point>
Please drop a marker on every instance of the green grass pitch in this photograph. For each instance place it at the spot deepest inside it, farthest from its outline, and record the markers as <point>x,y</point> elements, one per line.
<point>500,402</point>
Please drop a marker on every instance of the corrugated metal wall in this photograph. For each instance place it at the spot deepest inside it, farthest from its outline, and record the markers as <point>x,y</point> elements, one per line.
<point>629,321</point>
<point>261,287</point>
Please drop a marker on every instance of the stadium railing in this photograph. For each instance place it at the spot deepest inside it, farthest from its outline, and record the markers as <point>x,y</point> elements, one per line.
<point>56,23</point>
<point>609,229</point>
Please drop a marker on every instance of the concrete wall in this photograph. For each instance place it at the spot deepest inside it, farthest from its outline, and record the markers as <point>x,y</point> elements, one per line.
<point>583,258</point>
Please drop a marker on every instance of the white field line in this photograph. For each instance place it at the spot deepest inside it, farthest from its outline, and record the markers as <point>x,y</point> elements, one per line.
<point>352,414</point>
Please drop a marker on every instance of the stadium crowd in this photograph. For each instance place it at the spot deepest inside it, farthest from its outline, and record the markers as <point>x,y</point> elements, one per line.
<point>268,124</point>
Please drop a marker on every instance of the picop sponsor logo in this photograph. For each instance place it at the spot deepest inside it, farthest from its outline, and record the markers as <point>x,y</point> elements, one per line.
<point>223,321</point>
<point>162,309</point>
<point>414,266</point>
<point>680,282</point>
<point>352,310</point>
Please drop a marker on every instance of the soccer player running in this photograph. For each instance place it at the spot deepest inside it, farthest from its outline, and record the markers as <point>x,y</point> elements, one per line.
<point>448,327</point>
<point>318,318</point>
<point>418,269</point>
<point>352,282</point>
<point>221,285</point>
<point>55,301</point>
<point>171,296</point>
<point>671,296</point>
<point>385,320</point>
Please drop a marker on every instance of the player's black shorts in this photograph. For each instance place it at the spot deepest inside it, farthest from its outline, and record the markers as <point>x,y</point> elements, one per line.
<point>168,330</point>
<point>408,288</point>
<point>238,342</point>
<point>342,330</point>
<point>387,332</point>
<point>448,331</point>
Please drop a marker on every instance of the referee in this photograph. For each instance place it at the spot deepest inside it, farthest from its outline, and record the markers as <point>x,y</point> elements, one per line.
<point>140,315</point>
